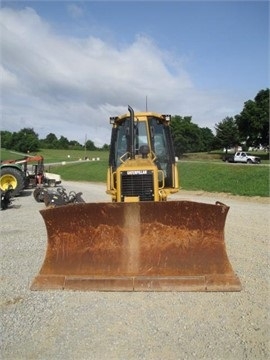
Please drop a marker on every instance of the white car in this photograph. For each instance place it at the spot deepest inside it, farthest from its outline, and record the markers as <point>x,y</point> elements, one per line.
<point>243,157</point>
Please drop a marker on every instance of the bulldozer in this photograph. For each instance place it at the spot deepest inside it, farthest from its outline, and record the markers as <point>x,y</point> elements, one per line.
<point>141,240</point>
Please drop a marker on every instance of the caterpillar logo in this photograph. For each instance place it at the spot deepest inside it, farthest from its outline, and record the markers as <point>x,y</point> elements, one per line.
<point>137,172</point>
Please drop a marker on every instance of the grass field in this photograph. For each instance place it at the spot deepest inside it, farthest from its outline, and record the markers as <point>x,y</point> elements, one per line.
<point>236,179</point>
<point>51,156</point>
<point>200,173</point>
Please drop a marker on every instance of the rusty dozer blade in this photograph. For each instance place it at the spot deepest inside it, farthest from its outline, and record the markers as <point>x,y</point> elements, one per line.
<point>141,246</point>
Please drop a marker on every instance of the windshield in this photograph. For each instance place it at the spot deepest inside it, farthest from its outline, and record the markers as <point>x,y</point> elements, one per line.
<point>123,138</point>
<point>140,135</point>
<point>151,136</point>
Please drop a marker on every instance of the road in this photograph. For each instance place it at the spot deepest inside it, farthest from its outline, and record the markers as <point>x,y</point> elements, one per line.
<point>152,326</point>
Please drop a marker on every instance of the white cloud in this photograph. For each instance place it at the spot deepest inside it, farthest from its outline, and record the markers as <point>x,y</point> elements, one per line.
<point>8,79</point>
<point>75,11</point>
<point>72,86</point>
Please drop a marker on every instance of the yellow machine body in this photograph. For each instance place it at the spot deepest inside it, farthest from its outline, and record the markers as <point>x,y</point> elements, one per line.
<point>139,241</point>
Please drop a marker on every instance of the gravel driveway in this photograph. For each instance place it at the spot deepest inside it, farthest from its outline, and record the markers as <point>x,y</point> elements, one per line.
<point>103,325</point>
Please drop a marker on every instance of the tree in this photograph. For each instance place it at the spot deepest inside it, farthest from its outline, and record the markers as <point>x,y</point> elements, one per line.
<point>253,121</point>
<point>26,140</point>
<point>105,147</point>
<point>75,145</point>
<point>186,135</point>
<point>89,145</point>
<point>227,134</point>
<point>207,139</point>
<point>51,138</point>
<point>50,142</point>
<point>63,143</point>
<point>6,139</point>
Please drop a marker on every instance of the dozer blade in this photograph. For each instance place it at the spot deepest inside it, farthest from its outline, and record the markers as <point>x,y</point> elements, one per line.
<point>143,246</point>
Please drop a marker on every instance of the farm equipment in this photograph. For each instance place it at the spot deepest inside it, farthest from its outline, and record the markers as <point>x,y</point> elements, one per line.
<point>18,175</point>
<point>57,197</point>
<point>6,198</point>
<point>139,241</point>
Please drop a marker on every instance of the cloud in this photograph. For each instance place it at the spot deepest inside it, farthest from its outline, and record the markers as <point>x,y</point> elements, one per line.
<point>8,79</point>
<point>75,11</point>
<point>71,86</point>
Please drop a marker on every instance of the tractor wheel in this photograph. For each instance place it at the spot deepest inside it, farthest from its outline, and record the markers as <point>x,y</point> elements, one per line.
<point>12,178</point>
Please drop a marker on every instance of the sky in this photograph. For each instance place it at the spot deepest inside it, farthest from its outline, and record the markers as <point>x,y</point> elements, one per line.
<point>67,66</point>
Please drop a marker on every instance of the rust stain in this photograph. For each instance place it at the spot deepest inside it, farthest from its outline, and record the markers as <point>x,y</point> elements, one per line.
<point>178,238</point>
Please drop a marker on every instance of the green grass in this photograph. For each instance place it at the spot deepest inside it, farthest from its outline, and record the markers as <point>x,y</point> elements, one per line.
<point>202,174</point>
<point>95,171</point>
<point>236,179</point>
<point>51,155</point>
<point>243,180</point>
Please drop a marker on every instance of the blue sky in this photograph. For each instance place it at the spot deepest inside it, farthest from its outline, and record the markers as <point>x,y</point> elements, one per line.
<point>69,65</point>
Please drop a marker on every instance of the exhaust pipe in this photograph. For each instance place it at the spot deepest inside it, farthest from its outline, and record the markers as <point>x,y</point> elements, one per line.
<point>131,133</point>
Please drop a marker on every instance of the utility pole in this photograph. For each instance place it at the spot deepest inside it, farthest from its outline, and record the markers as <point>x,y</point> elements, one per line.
<point>85,146</point>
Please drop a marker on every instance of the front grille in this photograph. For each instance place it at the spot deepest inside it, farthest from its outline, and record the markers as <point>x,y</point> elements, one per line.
<point>137,183</point>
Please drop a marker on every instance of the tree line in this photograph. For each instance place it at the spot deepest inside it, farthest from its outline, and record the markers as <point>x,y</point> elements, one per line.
<point>27,140</point>
<point>250,128</point>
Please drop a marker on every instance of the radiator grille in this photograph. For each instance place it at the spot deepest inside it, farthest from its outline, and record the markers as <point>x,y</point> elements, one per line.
<point>140,184</point>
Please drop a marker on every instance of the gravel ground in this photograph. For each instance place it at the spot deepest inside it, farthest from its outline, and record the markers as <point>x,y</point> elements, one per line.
<point>104,325</point>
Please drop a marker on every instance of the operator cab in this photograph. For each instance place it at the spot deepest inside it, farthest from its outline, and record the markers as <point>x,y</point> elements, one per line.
<point>143,135</point>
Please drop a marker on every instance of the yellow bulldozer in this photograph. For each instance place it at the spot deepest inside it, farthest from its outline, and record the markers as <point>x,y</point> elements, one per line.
<point>140,241</point>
